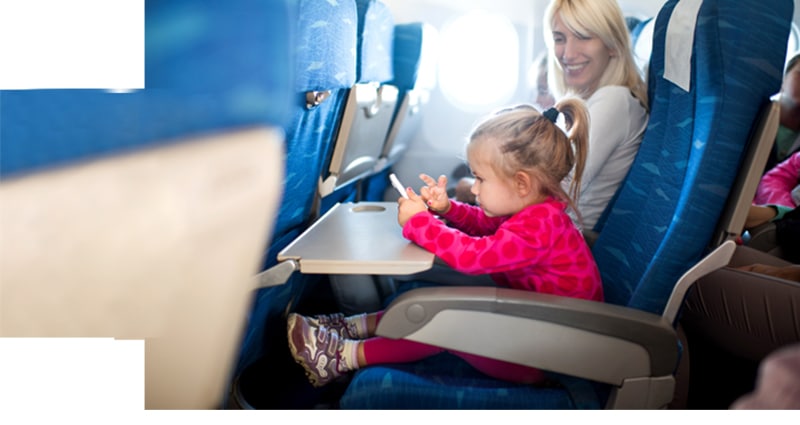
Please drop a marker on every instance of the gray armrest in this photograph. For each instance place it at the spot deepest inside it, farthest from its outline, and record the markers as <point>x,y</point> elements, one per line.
<point>588,339</point>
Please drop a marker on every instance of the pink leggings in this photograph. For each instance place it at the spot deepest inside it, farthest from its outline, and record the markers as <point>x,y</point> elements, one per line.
<point>380,350</point>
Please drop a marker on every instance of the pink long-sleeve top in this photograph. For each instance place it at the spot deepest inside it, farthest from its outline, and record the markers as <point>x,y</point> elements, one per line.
<point>775,187</point>
<point>537,249</point>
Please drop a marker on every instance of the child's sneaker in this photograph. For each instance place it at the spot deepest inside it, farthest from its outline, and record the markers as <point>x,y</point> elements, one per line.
<point>317,349</point>
<point>345,327</point>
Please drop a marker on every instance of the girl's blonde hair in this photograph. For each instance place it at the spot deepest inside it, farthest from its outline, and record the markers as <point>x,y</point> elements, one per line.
<point>526,140</point>
<point>602,19</point>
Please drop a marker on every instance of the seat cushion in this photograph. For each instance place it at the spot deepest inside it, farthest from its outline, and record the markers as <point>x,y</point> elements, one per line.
<point>445,381</point>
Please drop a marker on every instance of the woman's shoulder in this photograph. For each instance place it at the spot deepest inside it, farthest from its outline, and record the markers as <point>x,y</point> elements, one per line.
<point>613,93</point>
<point>619,98</point>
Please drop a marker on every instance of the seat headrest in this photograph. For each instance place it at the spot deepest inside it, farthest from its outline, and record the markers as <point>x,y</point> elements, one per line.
<point>414,56</point>
<point>208,66</point>
<point>679,43</point>
<point>326,45</point>
<point>375,42</point>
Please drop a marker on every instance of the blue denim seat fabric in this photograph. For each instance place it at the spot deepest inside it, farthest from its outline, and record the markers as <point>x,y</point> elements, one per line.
<point>324,56</point>
<point>210,67</point>
<point>662,221</point>
<point>370,104</point>
<point>207,68</point>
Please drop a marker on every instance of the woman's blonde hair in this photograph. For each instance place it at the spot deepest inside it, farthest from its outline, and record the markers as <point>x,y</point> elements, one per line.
<point>602,19</point>
<point>527,140</point>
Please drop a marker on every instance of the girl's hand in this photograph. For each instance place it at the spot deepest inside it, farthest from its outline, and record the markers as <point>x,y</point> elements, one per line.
<point>407,208</point>
<point>435,193</point>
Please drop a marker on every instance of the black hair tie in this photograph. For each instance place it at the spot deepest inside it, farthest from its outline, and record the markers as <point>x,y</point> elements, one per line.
<point>551,114</point>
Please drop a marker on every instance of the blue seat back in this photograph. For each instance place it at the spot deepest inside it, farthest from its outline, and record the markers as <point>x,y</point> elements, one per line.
<point>325,59</point>
<point>668,207</point>
<point>210,67</point>
<point>207,68</point>
<point>326,66</point>
<point>375,25</point>
<point>370,105</point>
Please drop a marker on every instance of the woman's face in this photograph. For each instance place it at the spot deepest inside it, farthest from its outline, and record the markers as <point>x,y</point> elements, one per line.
<point>583,57</point>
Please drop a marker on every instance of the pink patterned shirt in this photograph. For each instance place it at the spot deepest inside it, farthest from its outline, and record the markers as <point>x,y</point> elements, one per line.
<point>775,187</point>
<point>537,249</point>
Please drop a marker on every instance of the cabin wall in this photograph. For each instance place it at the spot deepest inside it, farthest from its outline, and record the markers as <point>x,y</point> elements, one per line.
<point>439,147</point>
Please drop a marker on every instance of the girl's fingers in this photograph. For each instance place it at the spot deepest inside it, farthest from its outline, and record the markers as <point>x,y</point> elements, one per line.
<point>428,180</point>
<point>427,192</point>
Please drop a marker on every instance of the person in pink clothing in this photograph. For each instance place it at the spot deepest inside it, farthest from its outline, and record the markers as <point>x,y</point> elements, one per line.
<point>779,186</point>
<point>519,233</point>
<point>778,193</point>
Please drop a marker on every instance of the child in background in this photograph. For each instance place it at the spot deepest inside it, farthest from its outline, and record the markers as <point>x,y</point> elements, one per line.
<point>777,201</point>
<point>787,140</point>
<point>520,233</point>
<point>780,186</point>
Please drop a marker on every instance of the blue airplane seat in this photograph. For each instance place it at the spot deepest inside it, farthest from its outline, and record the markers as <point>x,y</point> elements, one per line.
<point>324,56</point>
<point>731,82</point>
<point>368,112</point>
<point>414,65</point>
<point>649,251</point>
<point>642,44</point>
<point>211,69</point>
<point>207,68</point>
<point>375,26</point>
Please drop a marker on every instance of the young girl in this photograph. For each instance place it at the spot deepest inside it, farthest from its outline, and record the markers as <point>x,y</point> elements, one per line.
<point>520,234</point>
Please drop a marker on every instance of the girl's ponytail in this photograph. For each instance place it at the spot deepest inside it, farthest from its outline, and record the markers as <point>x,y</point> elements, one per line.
<point>576,118</point>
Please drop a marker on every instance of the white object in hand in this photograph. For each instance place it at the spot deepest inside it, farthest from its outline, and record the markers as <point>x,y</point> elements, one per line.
<point>397,185</point>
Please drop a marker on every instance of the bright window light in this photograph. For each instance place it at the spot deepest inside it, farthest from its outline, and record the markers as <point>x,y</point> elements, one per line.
<point>479,61</point>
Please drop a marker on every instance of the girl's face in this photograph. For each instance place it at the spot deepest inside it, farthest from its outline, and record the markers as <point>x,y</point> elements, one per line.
<point>583,58</point>
<point>493,192</point>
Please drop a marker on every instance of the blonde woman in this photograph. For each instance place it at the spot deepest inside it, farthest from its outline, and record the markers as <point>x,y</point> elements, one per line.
<point>590,56</point>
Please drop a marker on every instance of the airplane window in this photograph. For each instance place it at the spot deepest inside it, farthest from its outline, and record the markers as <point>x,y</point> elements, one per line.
<point>479,60</point>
